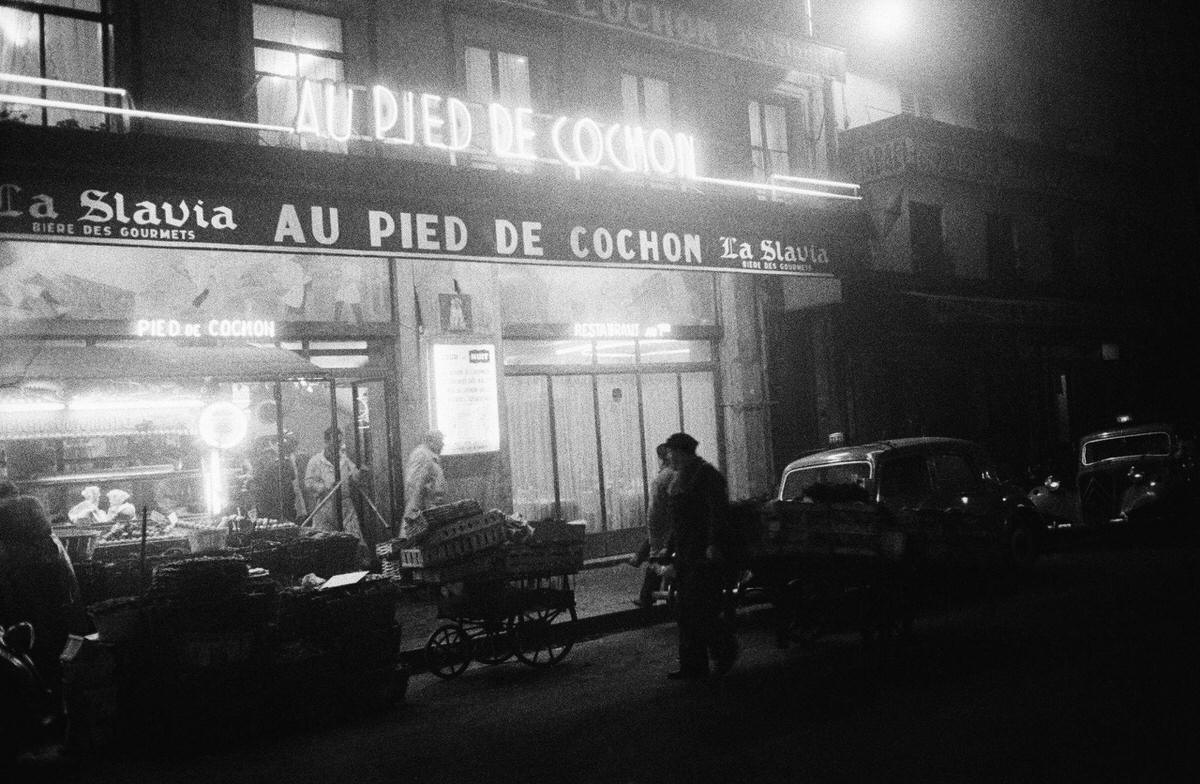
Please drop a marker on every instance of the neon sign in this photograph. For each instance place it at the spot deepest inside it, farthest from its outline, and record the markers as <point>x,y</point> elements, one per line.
<point>433,122</point>
<point>213,328</point>
<point>446,123</point>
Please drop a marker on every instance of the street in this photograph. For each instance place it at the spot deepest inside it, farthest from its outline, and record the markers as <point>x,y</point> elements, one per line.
<point>1085,673</point>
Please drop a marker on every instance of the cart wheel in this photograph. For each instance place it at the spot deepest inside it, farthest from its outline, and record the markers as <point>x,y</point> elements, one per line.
<point>544,636</point>
<point>448,651</point>
<point>492,642</point>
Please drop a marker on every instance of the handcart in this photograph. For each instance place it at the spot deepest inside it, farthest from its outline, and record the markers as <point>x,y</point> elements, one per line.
<point>529,617</point>
<point>505,587</point>
<point>829,565</point>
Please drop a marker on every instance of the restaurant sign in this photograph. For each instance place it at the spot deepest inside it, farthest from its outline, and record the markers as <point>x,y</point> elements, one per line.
<point>111,212</point>
<point>672,23</point>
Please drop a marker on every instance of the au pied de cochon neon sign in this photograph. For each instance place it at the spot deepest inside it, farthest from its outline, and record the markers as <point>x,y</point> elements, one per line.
<point>329,110</point>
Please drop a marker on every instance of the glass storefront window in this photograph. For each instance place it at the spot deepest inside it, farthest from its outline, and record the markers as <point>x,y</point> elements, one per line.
<point>621,446</point>
<point>548,352</point>
<point>699,405</point>
<point>645,351</point>
<point>616,352</point>
<point>661,351</point>
<point>578,465</point>
<point>529,447</point>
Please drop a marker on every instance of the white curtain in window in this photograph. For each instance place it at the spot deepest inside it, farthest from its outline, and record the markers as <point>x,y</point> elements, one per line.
<point>575,431</point>
<point>477,65</point>
<point>297,28</point>
<point>532,461</point>
<point>776,133</point>
<point>621,446</point>
<point>74,53</point>
<point>20,43</point>
<point>660,408</point>
<point>700,413</point>
<point>513,70</point>
<point>657,97</point>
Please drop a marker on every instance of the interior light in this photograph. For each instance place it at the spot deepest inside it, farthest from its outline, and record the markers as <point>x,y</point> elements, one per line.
<point>886,19</point>
<point>127,404</point>
<point>30,406</point>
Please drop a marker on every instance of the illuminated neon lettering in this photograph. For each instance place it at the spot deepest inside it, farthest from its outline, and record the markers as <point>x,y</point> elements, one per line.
<point>308,120</point>
<point>592,130</point>
<point>523,130</point>
<point>331,109</point>
<point>500,130</point>
<point>460,124</point>
<point>556,140</point>
<point>431,120</point>
<point>630,162</point>
<point>661,152</point>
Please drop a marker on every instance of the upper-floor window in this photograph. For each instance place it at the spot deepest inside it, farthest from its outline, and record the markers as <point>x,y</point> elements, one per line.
<point>290,46</point>
<point>65,40</point>
<point>769,152</point>
<point>926,239</point>
<point>492,75</point>
<point>645,101</point>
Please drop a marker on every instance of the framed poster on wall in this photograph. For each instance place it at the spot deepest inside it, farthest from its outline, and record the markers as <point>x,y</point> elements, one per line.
<point>465,398</point>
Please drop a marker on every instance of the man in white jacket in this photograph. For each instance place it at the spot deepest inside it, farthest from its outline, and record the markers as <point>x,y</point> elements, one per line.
<point>424,481</point>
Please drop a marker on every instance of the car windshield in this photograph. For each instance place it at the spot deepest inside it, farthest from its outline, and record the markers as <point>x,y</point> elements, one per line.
<point>1126,446</point>
<point>797,482</point>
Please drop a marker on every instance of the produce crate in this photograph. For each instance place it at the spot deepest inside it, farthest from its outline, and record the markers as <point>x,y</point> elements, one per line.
<point>132,548</point>
<point>437,516</point>
<point>516,560</point>
<point>470,537</point>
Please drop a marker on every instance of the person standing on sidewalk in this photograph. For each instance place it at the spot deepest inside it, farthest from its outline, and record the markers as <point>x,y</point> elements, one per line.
<point>698,506</point>
<point>424,480</point>
<point>658,529</point>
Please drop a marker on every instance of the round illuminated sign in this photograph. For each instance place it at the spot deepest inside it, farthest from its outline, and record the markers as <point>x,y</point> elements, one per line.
<point>222,424</point>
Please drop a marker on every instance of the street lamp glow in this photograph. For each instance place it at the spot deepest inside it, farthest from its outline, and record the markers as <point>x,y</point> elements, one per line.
<point>887,19</point>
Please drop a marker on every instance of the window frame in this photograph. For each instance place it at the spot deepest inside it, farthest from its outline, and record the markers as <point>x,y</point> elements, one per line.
<point>494,51</point>
<point>781,102</point>
<point>296,50</point>
<point>103,17</point>
<point>640,86</point>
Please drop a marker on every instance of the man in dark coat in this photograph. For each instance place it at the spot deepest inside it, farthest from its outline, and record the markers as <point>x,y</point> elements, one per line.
<point>698,506</point>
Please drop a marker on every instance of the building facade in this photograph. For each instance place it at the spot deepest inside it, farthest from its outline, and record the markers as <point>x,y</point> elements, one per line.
<point>556,231</point>
<point>1022,222</point>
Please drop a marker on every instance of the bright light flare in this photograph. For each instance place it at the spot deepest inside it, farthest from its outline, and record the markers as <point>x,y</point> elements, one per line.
<point>887,19</point>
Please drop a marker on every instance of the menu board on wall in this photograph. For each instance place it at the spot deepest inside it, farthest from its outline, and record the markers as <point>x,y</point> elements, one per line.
<point>466,404</point>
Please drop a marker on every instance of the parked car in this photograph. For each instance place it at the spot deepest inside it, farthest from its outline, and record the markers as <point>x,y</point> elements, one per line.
<point>1132,475</point>
<point>943,493</point>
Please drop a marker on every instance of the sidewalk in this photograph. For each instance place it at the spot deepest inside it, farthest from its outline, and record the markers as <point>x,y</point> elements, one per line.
<point>604,591</point>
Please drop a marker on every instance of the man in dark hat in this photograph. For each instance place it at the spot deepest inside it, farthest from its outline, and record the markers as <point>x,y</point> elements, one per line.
<point>698,506</point>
